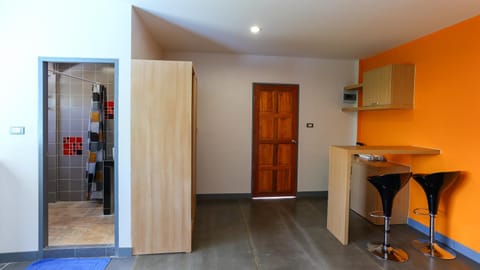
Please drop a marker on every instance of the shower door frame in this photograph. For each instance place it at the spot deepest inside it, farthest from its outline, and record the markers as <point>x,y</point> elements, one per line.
<point>43,146</point>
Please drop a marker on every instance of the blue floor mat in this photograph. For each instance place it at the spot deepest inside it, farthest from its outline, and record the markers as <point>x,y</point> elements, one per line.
<point>70,264</point>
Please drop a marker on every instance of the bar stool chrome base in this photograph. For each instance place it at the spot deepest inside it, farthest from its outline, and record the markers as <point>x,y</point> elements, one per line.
<point>382,252</point>
<point>434,250</point>
<point>433,185</point>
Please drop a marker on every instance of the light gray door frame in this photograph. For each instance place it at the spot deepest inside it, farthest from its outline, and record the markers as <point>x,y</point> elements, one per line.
<point>43,135</point>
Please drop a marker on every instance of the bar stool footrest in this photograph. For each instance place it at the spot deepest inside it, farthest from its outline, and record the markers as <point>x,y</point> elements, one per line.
<point>377,214</point>
<point>421,211</point>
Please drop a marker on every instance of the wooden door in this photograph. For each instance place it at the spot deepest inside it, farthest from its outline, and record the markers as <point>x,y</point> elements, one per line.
<point>275,135</point>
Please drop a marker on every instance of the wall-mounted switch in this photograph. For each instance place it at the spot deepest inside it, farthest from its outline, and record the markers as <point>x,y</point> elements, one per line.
<point>309,125</point>
<point>17,130</point>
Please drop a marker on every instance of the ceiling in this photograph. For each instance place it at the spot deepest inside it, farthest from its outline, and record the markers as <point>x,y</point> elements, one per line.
<point>340,29</point>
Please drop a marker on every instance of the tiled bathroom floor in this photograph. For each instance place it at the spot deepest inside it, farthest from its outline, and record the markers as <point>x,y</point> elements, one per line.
<point>79,223</point>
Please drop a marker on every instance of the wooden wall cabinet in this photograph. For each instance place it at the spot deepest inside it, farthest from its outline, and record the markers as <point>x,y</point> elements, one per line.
<point>386,88</point>
<point>364,198</point>
<point>390,86</point>
<point>163,143</point>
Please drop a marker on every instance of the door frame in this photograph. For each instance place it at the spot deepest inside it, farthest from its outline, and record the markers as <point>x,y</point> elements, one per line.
<point>295,171</point>
<point>43,146</point>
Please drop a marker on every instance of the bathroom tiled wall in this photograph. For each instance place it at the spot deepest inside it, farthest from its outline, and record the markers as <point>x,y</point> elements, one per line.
<point>52,143</point>
<point>68,117</point>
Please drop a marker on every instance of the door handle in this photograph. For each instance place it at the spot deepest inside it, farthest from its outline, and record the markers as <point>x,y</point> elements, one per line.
<point>293,141</point>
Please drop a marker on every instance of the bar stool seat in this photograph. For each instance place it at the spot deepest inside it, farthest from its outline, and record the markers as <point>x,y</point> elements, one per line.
<point>433,185</point>
<point>388,186</point>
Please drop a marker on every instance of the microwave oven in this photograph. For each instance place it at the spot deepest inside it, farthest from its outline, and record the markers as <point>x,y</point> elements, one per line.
<point>350,97</point>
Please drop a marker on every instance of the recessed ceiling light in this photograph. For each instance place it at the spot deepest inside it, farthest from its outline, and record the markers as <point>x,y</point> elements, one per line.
<point>255,29</point>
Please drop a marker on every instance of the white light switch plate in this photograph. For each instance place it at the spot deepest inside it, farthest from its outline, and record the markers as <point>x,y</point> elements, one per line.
<point>17,130</point>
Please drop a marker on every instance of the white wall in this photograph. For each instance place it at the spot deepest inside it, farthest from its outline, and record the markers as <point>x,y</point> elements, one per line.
<point>143,44</point>
<point>52,28</point>
<point>225,115</point>
<point>102,29</point>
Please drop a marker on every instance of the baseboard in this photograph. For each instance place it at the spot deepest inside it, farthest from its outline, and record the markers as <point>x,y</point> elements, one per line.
<point>465,251</point>
<point>18,256</point>
<point>225,196</point>
<point>124,252</point>
<point>312,194</point>
<point>300,194</point>
<point>67,252</point>
<point>79,251</point>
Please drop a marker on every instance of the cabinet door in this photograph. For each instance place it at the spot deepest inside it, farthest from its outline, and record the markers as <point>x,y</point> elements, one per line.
<point>391,86</point>
<point>363,196</point>
<point>161,156</point>
<point>402,85</point>
<point>377,86</point>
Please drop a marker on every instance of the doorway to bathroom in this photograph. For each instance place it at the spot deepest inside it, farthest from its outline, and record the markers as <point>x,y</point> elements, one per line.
<point>78,176</point>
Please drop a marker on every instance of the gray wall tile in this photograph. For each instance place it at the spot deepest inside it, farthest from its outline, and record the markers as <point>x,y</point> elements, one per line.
<point>64,185</point>
<point>76,161</point>
<point>64,161</point>
<point>52,173</point>
<point>64,173</point>
<point>73,97</point>
<point>77,196</point>
<point>63,196</point>
<point>52,160</point>
<point>52,186</point>
<point>52,197</point>
<point>52,136</point>
<point>52,148</point>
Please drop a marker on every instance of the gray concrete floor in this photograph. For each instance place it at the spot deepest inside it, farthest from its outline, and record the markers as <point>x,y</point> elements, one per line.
<point>280,234</point>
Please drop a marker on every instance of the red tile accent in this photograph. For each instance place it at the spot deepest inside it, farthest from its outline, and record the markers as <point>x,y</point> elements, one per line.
<point>71,145</point>
<point>109,109</point>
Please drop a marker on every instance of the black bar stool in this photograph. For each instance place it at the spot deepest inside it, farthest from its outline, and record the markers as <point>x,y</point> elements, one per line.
<point>433,185</point>
<point>388,186</point>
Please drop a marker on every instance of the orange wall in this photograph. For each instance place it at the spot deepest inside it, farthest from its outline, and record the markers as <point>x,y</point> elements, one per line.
<point>446,116</point>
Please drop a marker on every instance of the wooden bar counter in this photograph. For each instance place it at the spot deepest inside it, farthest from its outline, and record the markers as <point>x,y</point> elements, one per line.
<point>340,161</point>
